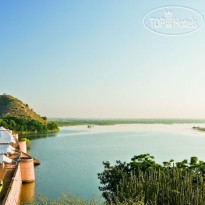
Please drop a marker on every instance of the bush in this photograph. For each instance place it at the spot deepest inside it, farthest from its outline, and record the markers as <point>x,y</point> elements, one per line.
<point>27,125</point>
<point>143,181</point>
<point>52,126</point>
<point>28,142</point>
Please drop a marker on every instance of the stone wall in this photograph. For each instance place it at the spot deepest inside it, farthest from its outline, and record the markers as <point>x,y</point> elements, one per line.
<point>13,192</point>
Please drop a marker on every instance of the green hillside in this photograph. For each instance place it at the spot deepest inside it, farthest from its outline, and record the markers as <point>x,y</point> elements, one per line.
<point>10,106</point>
<point>16,115</point>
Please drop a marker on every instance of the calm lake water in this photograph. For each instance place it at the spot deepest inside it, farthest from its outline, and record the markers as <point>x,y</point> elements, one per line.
<point>72,157</point>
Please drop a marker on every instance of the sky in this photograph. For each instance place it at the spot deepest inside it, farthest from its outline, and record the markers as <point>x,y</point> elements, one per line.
<point>95,59</point>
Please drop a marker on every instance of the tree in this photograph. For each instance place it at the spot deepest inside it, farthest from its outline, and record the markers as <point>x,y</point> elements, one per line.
<point>145,180</point>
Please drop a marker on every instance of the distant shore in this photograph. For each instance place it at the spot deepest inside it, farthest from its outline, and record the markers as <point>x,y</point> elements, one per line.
<point>72,122</point>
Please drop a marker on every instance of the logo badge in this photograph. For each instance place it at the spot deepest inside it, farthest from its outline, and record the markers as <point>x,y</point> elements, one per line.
<point>173,20</point>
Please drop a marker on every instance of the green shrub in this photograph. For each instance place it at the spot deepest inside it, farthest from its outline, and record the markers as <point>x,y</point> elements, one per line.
<point>28,142</point>
<point>143,181</point>
<point>19,124</point>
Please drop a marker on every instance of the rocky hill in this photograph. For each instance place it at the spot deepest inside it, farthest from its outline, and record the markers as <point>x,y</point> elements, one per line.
<point>17,116</point>
<point>13,107</point>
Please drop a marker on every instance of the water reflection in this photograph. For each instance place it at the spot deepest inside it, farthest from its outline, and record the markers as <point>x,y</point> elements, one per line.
<point>27,192</point>
<point>37,136</point>
<point>62,132</point>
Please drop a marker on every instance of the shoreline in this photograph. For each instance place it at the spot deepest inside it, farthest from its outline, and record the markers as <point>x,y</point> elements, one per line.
<point>31,132</point>
<point>107,122</point>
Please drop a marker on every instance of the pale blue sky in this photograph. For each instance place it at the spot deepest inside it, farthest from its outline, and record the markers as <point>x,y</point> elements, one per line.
<point>88,58</point>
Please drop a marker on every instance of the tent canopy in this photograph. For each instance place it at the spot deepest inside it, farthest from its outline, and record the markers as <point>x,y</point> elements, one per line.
<point>4,158</point>
<point>6,136</point>
<point>6,148</point>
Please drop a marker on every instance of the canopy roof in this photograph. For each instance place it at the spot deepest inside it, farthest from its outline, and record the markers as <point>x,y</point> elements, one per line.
<point>6,136</point>
<point>4,158</point>
<point>6,148</point>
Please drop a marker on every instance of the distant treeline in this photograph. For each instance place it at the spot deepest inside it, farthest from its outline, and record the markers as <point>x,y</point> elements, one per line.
<point>71,122</point>
<point>19,124</point>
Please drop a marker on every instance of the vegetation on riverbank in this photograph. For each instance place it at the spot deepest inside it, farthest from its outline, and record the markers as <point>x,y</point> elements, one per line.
<point>17,116</point>
<point>25,126</point>
<point>143,181</point>
<point>73,122</point>
<point>66,198</point>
